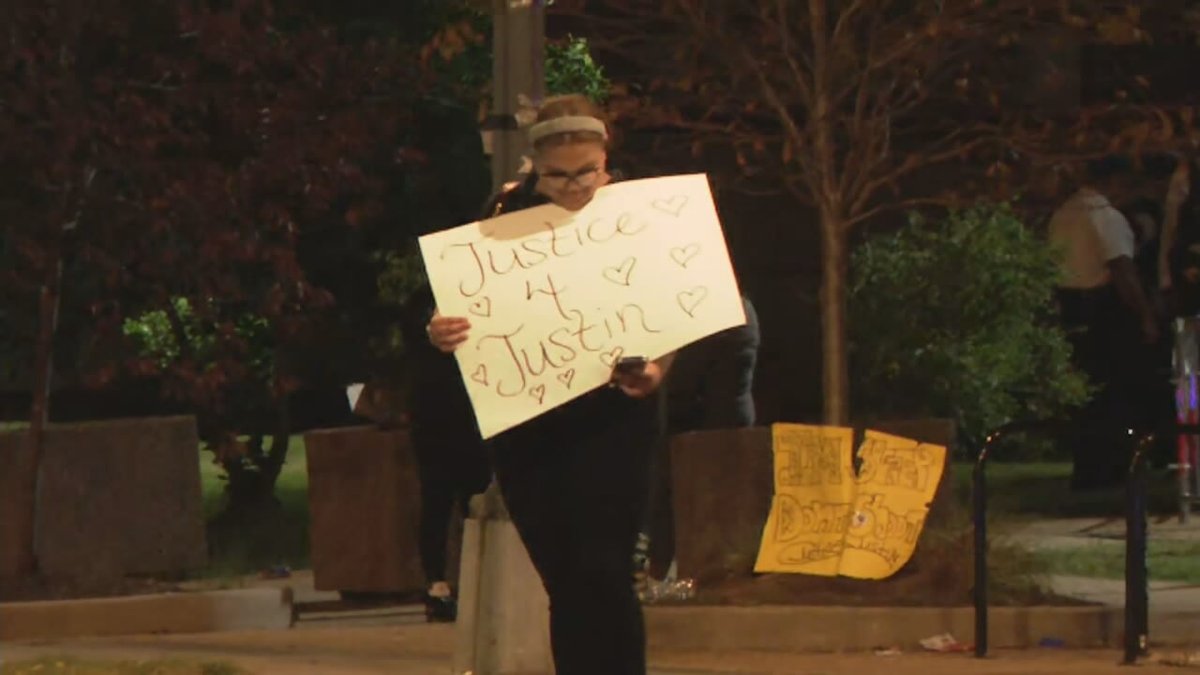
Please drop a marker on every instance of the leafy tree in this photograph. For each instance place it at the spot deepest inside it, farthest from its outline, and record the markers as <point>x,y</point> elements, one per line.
<point>570,69</point>
<point>844,105</point>
<point>956,318</point>
<point>163,151</point>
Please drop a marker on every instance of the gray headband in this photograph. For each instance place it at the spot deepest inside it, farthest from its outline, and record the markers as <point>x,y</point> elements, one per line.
<point>566,125</point>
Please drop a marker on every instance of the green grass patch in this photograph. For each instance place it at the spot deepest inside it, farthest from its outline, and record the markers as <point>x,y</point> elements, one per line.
<point>1168,560</point>
<point>1043,490</point>
<point>274,537</point>
<point>72,666</point>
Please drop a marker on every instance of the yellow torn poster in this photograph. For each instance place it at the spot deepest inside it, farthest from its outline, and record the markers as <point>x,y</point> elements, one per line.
<point>828,521</point>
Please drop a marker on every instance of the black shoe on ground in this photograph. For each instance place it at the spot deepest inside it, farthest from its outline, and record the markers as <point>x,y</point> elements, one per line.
<point>440,610</point>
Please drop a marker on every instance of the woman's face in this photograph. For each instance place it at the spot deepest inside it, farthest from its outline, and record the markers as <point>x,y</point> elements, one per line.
<point>569,174</point>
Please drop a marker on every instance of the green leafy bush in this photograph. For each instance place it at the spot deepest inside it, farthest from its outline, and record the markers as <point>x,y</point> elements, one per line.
<point>571,70</point>
<point>154,338</point>
<point>956,318</point>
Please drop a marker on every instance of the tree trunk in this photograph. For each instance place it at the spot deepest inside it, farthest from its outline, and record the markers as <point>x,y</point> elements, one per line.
<point>252,477</point>
<point>39,414</point>
<point>835,378</point>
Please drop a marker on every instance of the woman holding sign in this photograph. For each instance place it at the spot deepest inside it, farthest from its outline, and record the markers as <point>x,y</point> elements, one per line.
<point>574,479</point>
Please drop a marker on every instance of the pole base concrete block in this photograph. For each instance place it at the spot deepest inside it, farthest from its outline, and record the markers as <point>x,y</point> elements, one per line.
<point>504,615</point>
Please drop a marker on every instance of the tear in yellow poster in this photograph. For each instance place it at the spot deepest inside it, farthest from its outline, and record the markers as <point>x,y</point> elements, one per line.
<point>828,521</point>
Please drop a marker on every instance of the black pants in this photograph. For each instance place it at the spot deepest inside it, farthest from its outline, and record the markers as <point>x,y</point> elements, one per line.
<point>1106,346</point>
<point>452,467</point>
<point>574,482</point>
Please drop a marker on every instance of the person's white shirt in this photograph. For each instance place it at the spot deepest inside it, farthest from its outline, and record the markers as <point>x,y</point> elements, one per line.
<point>1091,232</point>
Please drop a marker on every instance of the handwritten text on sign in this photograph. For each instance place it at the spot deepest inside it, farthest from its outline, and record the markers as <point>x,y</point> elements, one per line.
<point>555,297</point>
<point>825,520</point>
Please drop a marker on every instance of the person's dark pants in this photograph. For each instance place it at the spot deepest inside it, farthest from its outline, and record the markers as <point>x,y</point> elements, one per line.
<point>574,484</point>
<point>452,468</point>
<point>1107,348</point>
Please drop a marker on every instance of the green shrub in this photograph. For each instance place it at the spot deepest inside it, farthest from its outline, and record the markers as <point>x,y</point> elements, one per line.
<point>956,318</point>
<point>571,70</point>
<point>154,338</point>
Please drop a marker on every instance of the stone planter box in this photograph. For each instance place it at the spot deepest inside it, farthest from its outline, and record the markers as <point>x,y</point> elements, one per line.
<point>115,499</point>
<point>721,484</point>
<point>364,502</point>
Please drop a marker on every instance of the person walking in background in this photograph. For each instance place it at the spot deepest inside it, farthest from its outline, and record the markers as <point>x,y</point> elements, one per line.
<point>711,387</point>
<point>1153,396</point>
<point>446,185</point>
<point>1107,316</point>
<point>452,461</point>
<point>1179,277</point>
<point>712,380</point>
<point>574,479</point>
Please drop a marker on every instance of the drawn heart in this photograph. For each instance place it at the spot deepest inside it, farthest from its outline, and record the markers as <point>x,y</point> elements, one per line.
<point>620,274</point>
<point>684,254</point>
<point>481,307</point>
<point>538,392</point>
<point>480,374</point>
<point>567,377</point>
<point>689,300</point>
<point>673,206</point>
<point>610,358</point>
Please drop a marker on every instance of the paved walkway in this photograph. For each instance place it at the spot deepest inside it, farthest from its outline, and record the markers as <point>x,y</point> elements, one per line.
<point>1165,596</point>
<point>408,648</point>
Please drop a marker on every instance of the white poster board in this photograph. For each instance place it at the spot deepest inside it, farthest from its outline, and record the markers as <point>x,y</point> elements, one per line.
<point>556,297</point>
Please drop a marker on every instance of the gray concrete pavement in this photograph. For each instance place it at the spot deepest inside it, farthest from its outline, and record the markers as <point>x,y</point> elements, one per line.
<point>1166,597</point>
<point>421,649</point>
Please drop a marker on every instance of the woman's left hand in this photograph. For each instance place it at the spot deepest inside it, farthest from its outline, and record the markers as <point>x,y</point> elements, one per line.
<point>642,383</point>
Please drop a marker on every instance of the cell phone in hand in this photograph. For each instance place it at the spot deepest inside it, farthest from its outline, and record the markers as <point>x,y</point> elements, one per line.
<point>631,365</point>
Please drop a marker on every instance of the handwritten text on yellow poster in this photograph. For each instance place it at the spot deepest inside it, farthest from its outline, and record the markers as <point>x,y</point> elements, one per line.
<point>829,521</point>
<point>814,491</point>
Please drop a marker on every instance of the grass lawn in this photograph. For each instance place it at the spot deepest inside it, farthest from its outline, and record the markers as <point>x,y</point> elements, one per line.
<point>1168,560</point>
<point>72,666</point>
<point>279,538</point>
<point>1043,490</point>
<point>1030,491</point>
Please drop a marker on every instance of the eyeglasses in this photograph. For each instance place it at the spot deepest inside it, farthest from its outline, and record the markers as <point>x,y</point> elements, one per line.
<point>584,178</point>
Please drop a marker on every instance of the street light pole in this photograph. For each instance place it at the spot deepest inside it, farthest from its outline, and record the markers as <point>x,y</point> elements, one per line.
<point>519,48</point>
<point>504,614</point>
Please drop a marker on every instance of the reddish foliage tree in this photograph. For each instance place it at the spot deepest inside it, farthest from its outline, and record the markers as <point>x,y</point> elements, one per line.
<point>161,150</point>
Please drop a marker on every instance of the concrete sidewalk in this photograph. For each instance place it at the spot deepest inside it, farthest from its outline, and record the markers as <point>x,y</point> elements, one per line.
<point>422,649</point>
<point>1166,597</point>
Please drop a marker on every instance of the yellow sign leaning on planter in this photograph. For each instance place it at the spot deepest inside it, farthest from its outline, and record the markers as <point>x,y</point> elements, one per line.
<point>828,521</point>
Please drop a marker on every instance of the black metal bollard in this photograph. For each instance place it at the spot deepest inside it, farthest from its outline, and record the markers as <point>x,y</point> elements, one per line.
<point>1137,594</point>
<point>979,517</point>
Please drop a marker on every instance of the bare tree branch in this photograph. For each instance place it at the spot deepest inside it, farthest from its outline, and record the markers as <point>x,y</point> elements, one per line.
<point>844,20</point>
<point>956,145</point>
<point>901,205</point>
<point>800,78</point>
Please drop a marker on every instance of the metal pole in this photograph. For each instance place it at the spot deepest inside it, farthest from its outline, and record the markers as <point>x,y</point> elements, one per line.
<point>979,514</point>
<point>1137,594</point>
<point>518,49</point>
<point>979,518</point>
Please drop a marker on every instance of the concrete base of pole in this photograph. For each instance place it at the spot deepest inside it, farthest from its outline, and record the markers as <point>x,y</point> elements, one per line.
<point>504,615</point>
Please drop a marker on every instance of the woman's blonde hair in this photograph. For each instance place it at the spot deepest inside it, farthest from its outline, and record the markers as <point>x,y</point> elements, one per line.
<point>569,105</point>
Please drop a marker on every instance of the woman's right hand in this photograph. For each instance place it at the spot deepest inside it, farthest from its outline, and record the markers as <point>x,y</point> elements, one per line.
<point>447,332</point>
